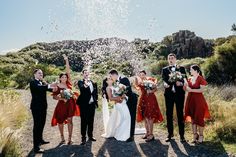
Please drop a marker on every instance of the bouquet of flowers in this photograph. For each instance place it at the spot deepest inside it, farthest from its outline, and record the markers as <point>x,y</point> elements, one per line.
<point>149,85</point>
<point>66,94</point>
<point>175,76</point>
<point>119,89</point>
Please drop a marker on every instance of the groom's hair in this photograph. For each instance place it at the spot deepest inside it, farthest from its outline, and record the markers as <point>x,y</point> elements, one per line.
<point>113,72</point>
<point>36,70</point>
<point>171,54</point>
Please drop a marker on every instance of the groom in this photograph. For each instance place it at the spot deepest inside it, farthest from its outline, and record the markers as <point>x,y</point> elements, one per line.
<point>174,94</point>
<point>131,103</point>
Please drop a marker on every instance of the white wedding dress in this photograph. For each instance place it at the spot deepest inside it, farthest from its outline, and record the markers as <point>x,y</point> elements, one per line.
<point>116,125</point>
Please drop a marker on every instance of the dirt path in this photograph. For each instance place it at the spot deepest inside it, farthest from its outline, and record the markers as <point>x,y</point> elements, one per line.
<point>108,147</point>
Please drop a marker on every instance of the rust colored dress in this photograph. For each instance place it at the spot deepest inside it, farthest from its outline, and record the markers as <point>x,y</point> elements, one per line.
<point>196,108</point>
<point>148,106</point>
<point>63,109</point>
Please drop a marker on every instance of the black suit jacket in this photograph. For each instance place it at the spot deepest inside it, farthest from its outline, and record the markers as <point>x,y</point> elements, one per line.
<point>132,97</point>
<point>85,94</point>
<point>39,95</point>
<point>165,76</point>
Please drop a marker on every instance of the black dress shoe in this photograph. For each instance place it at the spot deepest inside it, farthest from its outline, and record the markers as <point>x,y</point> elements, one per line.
<point>131,139</point>
<point>182,139</point>
<point>83,142</point>
<point>38,150</point>
<point>169,137</point>
<point>92,139</point>
<point>44,142</point>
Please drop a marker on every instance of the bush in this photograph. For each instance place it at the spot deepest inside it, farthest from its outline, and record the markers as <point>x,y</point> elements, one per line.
<point>220,68</point>
<point>25,75</point>
<point>156,68</point>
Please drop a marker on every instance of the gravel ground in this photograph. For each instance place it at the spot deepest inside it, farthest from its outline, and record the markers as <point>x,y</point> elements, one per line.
<point>108,147</point>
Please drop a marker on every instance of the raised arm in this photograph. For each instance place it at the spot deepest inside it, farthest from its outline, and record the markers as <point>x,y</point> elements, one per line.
<point>67,66</point>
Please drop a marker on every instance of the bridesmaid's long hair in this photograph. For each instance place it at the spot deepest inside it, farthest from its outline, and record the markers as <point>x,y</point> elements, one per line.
<point>143,71</point>
<point>68,83</point>
<point>197,68</point>
<point>62,74</point>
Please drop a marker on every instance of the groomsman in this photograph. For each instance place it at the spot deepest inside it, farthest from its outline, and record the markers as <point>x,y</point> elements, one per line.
<point>174,94</point>
<point>88,101</point>
<point>38,107</point>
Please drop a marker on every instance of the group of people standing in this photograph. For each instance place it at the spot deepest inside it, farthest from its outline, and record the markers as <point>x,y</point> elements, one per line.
<point>128,106</point>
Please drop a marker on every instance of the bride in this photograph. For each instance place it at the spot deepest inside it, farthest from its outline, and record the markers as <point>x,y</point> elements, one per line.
<point>118,124</point>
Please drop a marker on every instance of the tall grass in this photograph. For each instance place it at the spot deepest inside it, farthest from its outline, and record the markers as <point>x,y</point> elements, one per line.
<point>12,115</point>
<point>222,125</point>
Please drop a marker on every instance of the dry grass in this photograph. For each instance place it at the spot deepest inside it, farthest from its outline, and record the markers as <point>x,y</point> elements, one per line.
<point>222,125</point>
<point>12,115</point>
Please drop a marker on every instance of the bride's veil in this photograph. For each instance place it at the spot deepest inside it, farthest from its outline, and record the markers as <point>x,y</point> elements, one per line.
<point>105,109</point>
<point>105,112</point>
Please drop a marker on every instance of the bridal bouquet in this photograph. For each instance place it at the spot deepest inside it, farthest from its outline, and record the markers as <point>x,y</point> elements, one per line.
<point>149,85</point>
<point>66,94</point>
<point>175,76</point>
<point>119,89</point>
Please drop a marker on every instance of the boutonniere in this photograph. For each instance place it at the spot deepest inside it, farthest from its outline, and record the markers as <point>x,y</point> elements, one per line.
<point>177,67</point>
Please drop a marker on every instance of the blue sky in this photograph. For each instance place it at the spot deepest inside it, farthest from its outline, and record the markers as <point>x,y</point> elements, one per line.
<point>23,22</point>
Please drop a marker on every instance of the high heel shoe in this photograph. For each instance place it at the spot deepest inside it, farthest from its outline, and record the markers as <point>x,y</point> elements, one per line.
<point>69,141</point>
<point>150,139</point>
<point>195,138</point>
<point>62,140</point>
<point>200,140</point>
<point>145,136</point>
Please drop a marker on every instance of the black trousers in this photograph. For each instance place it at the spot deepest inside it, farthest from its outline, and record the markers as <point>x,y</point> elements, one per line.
<point>87,112</point>
<point>132,106</point>
<point>170,100</point>
<point>39,118</point>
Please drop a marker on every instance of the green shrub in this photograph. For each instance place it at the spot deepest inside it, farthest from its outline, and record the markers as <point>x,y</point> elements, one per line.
<point>220,68</point>
<point>156,68</point>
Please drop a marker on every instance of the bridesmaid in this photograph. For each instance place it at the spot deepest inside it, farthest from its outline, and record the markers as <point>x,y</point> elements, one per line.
<point>148,109</point>
<point>65,109</point>
<point>196,108</point>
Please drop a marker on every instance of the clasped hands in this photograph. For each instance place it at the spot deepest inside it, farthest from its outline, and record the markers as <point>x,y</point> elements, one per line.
<point>120,98</point>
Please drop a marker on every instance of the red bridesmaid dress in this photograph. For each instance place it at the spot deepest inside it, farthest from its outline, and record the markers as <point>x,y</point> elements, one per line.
<point>196,108</point>
<point>148,106</point>
<point>63,109</point>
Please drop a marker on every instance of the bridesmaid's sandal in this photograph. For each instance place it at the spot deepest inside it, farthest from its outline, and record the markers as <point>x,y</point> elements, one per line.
<point>150,138</point>
<point>69,141</point>
<point>62,140</point>
<point>195,138</point>
<point>200,140</point>
<point>145,136</point>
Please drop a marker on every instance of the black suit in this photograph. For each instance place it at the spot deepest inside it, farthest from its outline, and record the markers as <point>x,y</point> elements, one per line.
<point>131,103</point>
<point>176,97</point>
<point>87,111</point>
<point>38,108</point>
